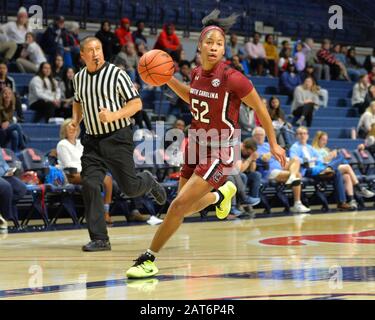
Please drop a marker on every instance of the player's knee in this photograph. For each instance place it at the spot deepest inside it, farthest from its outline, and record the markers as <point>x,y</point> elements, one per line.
<point>178,207</point>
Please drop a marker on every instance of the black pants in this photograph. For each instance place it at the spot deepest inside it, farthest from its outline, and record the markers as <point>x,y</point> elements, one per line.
<point>43,109</point>
<point>100,155</point>
<point>307,111</point>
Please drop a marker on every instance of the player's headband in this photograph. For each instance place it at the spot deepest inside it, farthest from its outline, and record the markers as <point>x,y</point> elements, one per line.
<point>210,28</point>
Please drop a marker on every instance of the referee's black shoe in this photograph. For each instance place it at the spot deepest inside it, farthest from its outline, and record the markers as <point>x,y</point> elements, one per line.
<point>97,245</point>
<point>157,191</point>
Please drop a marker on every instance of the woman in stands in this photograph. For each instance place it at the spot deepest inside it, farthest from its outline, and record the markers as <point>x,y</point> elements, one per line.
<point>333,159</point>
<point>58,69</point>
<point>366,120</point>
<point>214,94</point>
<point>10,130</point>
<point>67,94</point>
<point>44,93</point>
<point>69,153</point>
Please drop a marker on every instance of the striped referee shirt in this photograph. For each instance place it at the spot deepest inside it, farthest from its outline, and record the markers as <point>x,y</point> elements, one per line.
<point>108,87</point>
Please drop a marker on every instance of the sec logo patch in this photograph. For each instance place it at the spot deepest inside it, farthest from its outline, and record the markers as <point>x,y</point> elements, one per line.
<point>215,83</point>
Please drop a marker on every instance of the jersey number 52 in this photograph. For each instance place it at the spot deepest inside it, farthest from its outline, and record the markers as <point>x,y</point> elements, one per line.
<point>199,110</point>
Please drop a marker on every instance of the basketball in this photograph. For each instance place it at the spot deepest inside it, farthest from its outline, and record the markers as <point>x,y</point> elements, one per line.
<point>156,67</point>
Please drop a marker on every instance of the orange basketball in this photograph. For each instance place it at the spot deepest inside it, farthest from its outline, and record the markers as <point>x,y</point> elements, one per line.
<point>156,67</point>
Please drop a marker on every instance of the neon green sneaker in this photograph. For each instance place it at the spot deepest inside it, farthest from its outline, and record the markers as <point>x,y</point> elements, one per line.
<point>228,190</point>
<point>144,267</point>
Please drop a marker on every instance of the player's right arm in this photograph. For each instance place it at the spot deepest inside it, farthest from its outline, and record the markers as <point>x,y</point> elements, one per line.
<point>180,88</point>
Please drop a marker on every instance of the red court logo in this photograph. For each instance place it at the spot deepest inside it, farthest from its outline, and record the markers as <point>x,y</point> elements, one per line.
<point>360,237</point>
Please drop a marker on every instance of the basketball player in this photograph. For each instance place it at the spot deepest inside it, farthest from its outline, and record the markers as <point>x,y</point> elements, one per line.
<point>215,94</point>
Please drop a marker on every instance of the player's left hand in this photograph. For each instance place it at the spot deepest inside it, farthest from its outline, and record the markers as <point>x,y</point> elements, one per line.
<point>279,154</point>
<point>106,116</point>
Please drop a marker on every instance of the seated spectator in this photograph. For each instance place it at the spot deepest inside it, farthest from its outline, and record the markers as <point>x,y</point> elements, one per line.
<point>141,49</point>
<point>366,121</point>
<point>110,43</point>
<point>67,95</point>
<point>197,61</point>
<point>239,177</point>
<point>55,39</point>
<point>236,64</point>
<point>299,58</point>
<point>123,33</point>
<point>272,56</point>
<point>285,60</point>
<point>323,93</point>
<point>137,35</point>
<point>305,101</point>
<point>369,61</point>
<point>320,70</point>
<point>8,81</point>
<point>72,56</point>
<point>354,69</point>
<point>289,80</point>
<point>69,153</point>
<point>15,31</point>
<point>271,169</point>
<point>359,93</point>
<point>371,76</point>
<point>31,55</point>
<point>247,121</point>
<point>313,165</point>
<point>12,190</point>
<point>370,96</point>
<point>336,50</point>
<point>9,130</point>
<point>369,142</point>
<point>233,48</point>
<point>334,160</point>
<point>129,58</point>
<point>58,69</point>
<point>325,57</point>
<point>285,46</point>
<point>256,55</point>
<point>169,42</point>
<point>44,93</point>
<point>7,47</point>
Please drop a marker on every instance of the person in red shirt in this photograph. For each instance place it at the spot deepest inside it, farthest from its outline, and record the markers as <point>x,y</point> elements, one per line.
<point>169,42</point>
<point>123,33</point>
<point>214,94</point>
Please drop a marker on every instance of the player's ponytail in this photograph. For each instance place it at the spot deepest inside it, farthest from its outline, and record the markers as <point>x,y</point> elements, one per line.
<point>212,19</point>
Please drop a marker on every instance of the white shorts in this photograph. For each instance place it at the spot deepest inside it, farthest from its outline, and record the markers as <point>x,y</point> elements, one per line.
<point>274,173</point>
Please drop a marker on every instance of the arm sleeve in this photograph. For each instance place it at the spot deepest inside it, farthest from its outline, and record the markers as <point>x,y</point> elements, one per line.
<point>125,87</point>
<point>238,83</point>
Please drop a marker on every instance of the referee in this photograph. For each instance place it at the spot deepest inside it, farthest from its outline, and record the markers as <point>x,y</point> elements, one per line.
<point>105,97</point>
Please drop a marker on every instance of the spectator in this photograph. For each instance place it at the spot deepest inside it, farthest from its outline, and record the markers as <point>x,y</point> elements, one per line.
<point>239,178</point>
<point>370,96</point>
<point>141,49</point>
<point>8,81</point>
<point>371,76</point>
<point>169,41</point>
<point>305,101</point>
<point>44,93</point>
<point>334,160</point>
<point>109,40</point>
<point>137,35</point>
<point>285,46</point>
<point>256,54</point>
<point>314,165</point>
<point>123,33</point>
<point>236,64</point>
<point>233,48</point>
<point>325,57</point>
<point>323,93</point>
<point>353,68</point>
<point>11,191</point>
<point>31,55</point>
<point>366,121</point>
<point>321,70</point>
<point>336,50</point>
<point>10,131</point>
<point>247,121</point>
<point>369,142</point>
<point>272,56</point>
<point>55,39</point>
<point>69,154</point>
<point>197,61</point>
<point>16,30</point>
<point>299,58</point>
<point>369,61</point>
<point>129,58</point>
<point>285,60</point>
<point>67,95</point>
<point>271,169</point>
<point>289,80</point>
<point>72,50</point>
<point>58,69</point>
<point>360,90</point>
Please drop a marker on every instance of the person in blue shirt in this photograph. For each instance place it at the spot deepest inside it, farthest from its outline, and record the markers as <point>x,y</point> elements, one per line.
<point>289,80</point>
<point>12,189</point>
<point>316,166</point>
<point>271,169</point>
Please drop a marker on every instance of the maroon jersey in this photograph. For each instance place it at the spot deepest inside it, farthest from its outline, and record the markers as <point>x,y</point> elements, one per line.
<point>215,99</point>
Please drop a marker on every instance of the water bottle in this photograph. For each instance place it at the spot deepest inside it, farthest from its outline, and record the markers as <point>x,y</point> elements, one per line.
<point>353,134</point>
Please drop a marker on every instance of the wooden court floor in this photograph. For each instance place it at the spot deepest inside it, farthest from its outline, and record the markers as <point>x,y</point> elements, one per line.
<point>319,256</point>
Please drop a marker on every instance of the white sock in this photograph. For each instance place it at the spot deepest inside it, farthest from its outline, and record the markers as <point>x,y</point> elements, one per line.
<point>217,197</point>
<point>151,252</point>
<point>297,202</point>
